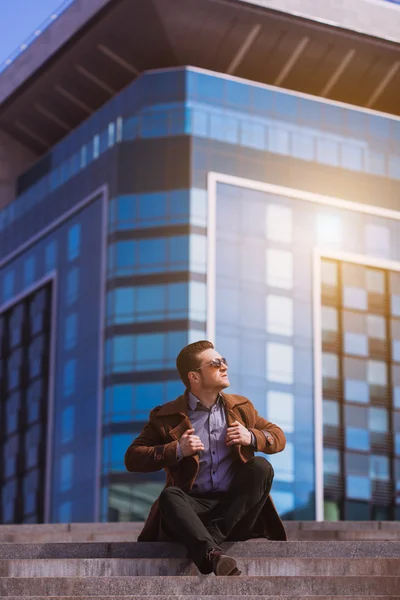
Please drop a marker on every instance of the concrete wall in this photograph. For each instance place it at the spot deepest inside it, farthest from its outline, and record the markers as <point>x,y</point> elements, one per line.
<point>372,17</point>
<point>14,160</point>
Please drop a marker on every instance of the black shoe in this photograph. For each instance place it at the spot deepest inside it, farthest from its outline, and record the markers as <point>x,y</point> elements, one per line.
<point>222,564</point>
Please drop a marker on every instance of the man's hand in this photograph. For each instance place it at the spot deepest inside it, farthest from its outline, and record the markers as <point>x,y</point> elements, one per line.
<point>190,444</point>
<point>238,434</point>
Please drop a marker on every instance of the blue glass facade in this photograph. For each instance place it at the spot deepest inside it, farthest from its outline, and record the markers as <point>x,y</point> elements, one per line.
<point>117,213</point>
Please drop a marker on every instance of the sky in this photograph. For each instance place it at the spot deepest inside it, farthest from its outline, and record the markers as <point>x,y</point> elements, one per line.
<point>20,18</point>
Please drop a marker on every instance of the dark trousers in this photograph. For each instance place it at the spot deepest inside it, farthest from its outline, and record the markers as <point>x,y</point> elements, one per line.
<point>203,521</point>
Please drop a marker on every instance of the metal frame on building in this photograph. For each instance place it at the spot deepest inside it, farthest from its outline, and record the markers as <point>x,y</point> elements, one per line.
<point>213,180</point>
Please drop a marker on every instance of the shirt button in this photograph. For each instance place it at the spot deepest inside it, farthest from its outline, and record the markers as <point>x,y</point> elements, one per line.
<point>213,472</point>
<point>213,452</point>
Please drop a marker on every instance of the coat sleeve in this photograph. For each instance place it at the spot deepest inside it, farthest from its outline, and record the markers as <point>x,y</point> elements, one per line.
<point>149,452</point>
<point>261,429</point>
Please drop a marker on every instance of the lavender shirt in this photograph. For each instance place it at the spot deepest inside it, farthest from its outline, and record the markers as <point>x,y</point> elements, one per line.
<point>216,464</point>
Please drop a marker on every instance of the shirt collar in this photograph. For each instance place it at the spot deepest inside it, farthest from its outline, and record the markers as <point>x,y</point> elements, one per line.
<point>193,401</point>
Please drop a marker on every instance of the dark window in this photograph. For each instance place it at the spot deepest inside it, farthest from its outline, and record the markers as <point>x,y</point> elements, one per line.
<point>24,344</point>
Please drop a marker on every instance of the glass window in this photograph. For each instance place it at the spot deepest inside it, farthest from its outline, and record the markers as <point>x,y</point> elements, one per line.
<point>224,128</point>
<point>394,279</point>
<point>280,363</point>
<point>284,502</point>
<point>280,410</point>
<point>198,207</point>
<point>74,241</point>
<point>126,211</point>
<point>279,223</point>
<point>124,306</point>
<point>279,315</point>
<point>329,318</point>
<point>29,270</point>
<point>356,416</point>
<point>153,208</point>
<point>83,160</point>
<point>152,253</point>
<point>66,472</point>
<point>283,464</point>
<point>198,253</point>
<point>379,468</point>
<point>376,162</point>
<point>355,298</point>
<point>253,135</point>
<point>330,410</point>
<point>378,419</point>
<point>123,257</point>
<point>200,123</point>
<point>279,268</point>
<point>111,135</point>
<point>71,331</point>
<point>51,256</point>
<point>375,281</point>
<point>355,343</point>
<point>327,151</point>
<point>330,365</point>
<point>377,372</point>
<point>352,157</point>
<point>356,387</point>
<point>377,240</point>
<point>329,273</point>
<point>394,166</point>
<point>119,444</point>
<point>65,512</point>
<point>72,285</point>
<point>8,285</point>
<point>358,487</point>
<point>356,391</point>
<point>357,464</point>
<point>123,353</point>
<point>123,399</point>
<point>357,439</point>
<point>303,145</point>
<point>278,140</point>
<point>35,357</point>
<point>331,461</point>
<point>151,302</point>
<point>376,327</point>
<point>197,301</point>
<point>67,424</point>
<point>69,377</point>
<point>96,146</point>
<point>329,228</point>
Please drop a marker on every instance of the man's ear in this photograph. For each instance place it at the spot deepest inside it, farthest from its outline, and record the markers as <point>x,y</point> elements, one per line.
<point>192,376</point>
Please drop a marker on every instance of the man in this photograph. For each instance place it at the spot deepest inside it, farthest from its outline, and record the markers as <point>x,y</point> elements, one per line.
<point>205,440</point>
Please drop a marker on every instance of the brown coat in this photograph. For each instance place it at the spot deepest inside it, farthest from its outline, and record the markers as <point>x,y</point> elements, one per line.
<point>155,449</point>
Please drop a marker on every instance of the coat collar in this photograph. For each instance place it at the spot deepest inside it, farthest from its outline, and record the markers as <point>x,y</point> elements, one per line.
<point>180,405</point>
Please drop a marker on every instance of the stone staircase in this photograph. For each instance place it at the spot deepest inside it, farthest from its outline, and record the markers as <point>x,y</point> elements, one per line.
<point>321,561</point>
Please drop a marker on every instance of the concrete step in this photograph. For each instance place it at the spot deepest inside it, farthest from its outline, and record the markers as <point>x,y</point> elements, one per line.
<point>249,549</point>
<point>131,536</point>
<point>138,526</point>
<point>200,586</point>
<point>266,567</point>
<point>207,597</point>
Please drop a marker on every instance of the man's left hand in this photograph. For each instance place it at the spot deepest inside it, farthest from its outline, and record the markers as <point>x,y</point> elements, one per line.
<point>237,434</point>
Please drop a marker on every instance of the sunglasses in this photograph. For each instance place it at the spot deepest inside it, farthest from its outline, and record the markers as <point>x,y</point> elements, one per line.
<point>217,363</point>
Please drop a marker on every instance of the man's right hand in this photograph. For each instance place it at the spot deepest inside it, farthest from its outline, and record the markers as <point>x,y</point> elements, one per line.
<point>190,444</point>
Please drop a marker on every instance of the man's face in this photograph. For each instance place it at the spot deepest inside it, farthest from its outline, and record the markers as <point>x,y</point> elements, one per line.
<point>209,376</point>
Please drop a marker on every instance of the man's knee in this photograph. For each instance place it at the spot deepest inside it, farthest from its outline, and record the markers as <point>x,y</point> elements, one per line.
<point>263,468</point>
<point>168,496</point>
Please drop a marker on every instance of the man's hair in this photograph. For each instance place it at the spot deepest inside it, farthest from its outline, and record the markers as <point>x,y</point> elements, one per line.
<point>188,358</point>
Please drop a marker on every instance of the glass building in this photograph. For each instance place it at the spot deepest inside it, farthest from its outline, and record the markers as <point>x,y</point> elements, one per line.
<point>196,205</point>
